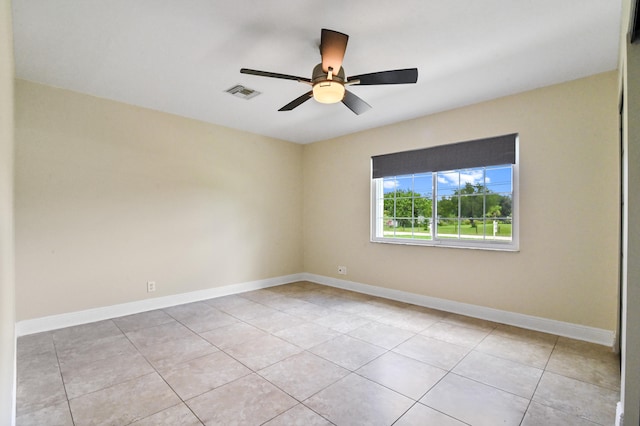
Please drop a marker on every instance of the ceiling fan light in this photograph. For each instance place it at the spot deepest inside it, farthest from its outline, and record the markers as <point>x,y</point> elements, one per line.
<point>328,91</point>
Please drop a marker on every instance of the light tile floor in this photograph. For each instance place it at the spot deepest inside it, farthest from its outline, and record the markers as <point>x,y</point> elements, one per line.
<point>306,354</point>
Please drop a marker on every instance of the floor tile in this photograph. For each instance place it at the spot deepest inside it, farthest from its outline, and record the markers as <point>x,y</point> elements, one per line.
<point>457,334</point>
<point>115,405</point>
<point>79,334</point>
<point>308,311</point>
<point>303,375</point>
<point>389,305</point>
<point>342,322</point>
<point>294,289</point>
<point>373,312</point>
<point>475,403</point>
<point>430,312</point>
<point>250,400</point>
<point>189,310</point>
<point>208,321</point>
<point>96,350</point>
<point>350,306</point>
<point>227,302</point>
<point>348,352</point>
<point>586,349</point>
<point>142,320</point>
<point>577,398</point>
<point>178,415</point>
<point>501,373</point>
<point>274,322</point>
<point>39,382</point>
<point>523,334</point>
<point>421,415</point>
<point>82,378</point>
<point>34,344</point>
<point>307,334</point>
<point>597,371</point>
<point>284,303</point>
<point>541,415</point>
<point>203,374</point>
<point>167,354</point>
<point>57,414</point>
<point>426,314</point>
<point>159,334</point>
<point>407,320</point>
<point>262,352</point>
<point>298,416</point>
<point>404,375</point>
<point>466,321</point>
<point>533,354</point>
<point>369,403</point>
<point>232,335</point>
<point>38,362</point>
<point>249,310</point>
<point>319,298</point>
<point>434,352</point>
<point>382,335</point>
<point>261,295</point>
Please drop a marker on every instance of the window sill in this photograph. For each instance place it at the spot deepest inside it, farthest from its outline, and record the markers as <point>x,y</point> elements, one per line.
<point>491,246</point>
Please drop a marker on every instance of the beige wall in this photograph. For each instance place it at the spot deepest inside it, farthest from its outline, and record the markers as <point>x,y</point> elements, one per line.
<point>110,196</point>
<point>7,288</point>
<point>567,267</point>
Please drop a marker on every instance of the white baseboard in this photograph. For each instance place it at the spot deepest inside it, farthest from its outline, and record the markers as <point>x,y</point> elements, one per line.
<point>619,414</point>
<point>55,322</point>
<point>574,331</point>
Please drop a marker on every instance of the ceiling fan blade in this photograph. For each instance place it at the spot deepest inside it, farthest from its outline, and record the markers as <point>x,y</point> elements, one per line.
<point>355,104</point>
<point>297,101</point>
<point>405,76</point>
<point>332,47</point>
<point>274,75</point>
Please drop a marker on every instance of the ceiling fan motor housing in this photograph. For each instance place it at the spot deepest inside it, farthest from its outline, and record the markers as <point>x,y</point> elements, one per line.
<point>328,88</point>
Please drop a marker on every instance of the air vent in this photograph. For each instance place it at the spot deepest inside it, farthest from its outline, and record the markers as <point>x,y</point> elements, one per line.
<point>243,92</point>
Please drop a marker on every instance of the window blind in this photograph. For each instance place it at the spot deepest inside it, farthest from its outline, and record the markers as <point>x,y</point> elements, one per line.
<point>476,153</point>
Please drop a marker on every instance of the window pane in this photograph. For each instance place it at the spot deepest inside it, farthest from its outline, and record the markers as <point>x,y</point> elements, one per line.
<point>498,205</point>
<point>447,228</point>
<point>447,182</point>
<point>422,230</point>
<point>472,229</point>
<point>389,203</point>
<point>389,185</point>
<point>472,206</point>
<point>498,179</point>
<point>422,214</point>
<point>499,230</point>
<point>472,181</point>
<point>389,226</point>
<point>423,185</point>
<point>447,207</point>
<point>422,207</point>
<point>404,184</point>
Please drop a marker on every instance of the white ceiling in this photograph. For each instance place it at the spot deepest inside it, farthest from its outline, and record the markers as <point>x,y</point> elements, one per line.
<point>180,56</point>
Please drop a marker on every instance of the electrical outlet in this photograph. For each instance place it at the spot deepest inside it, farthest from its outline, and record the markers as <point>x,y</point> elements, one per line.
<point>151,286</point>
<point>342,270</point>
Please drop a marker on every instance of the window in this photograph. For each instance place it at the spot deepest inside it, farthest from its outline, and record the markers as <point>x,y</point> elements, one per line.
<point>428,204</point>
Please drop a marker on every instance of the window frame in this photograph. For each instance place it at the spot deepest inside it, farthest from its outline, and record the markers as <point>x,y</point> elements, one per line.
<point>377,201</point>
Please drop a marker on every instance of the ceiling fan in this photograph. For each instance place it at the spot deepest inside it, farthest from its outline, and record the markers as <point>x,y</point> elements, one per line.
<point>328,77</point>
